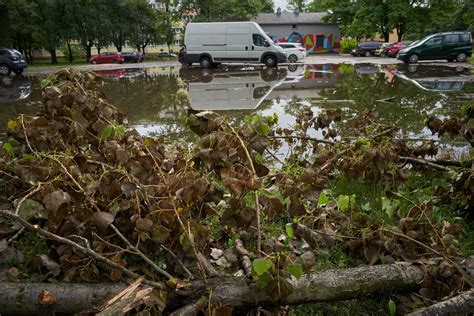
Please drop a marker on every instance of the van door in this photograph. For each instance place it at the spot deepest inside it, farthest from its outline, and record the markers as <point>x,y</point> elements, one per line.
<point>237,40</point>
<point>433,48</point>
<point>451,43</point>
<point>258,46</point>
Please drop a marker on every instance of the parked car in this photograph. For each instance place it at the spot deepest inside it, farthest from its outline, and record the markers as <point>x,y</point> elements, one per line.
<point>107,57</point>
<point>395,48</point>
<point>294,51</point>
<point>132,57</point>
<point>11,60</point>
<point>210,44</point>
<point>449,45</point>
<point>366,49</point>
<point>167,54</point>
<point>383,50</point>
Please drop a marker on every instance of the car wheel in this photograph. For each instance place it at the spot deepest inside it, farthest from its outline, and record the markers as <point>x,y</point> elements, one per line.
<point>5,70</point>
<point>367,54</point>
<point>18,71</point>
<point>270,61</point>
<point>94,62</point>
<point>413,59</point>
<point>461,57</point>
<point>205,62</point>
<point>293,59</point>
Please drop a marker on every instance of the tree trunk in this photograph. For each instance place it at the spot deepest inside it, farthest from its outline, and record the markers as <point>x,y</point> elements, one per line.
<point>461,304</point>
<point>54,58</point>
<point>386,36</point>
<point>69,52</point>
<point>329,285</point>
<point>98,49</point>
<point>88,52</point>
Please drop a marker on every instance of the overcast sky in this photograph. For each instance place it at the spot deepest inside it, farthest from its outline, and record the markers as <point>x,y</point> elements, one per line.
<point>280,3</point>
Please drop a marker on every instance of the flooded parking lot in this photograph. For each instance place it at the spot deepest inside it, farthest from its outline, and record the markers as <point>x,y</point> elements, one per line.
<point>157,100</point>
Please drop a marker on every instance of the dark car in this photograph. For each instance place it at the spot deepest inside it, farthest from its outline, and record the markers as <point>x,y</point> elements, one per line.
<point>366,49</point>
<point>107,57</point>
<point>449,45</point>
<point>11,60</point>
<point>167,54</point>
<point>132,57</point>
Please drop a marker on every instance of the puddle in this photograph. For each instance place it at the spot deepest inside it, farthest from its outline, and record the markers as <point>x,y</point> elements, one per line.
<point>157,100</point>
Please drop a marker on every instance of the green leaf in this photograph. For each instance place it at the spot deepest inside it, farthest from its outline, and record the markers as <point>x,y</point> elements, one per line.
<point>8,148</point>
<point>343,202</point>
<point>106,132</point>
<point>45,83</point>
<point>289,230</point>
<point>263,129</point>
<point>365,207</point>
<point>389,206</point>
<point>392,308</point>
<point>323,198</point>
<point>296,270</point>
<point>260,266</point>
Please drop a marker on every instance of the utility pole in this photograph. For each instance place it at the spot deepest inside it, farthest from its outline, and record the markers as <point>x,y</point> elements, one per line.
<point>4,27</point>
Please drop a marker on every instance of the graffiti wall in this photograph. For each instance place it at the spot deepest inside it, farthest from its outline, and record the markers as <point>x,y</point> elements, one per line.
<point>316,38</point>
<point>314,43</point>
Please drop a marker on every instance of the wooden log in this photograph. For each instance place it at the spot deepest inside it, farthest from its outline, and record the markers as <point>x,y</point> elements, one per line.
<point>462,304</point>
<point>22,298</point>
<point>328,285</point>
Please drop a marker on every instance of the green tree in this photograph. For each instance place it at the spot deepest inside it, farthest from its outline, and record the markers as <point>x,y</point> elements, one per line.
<point>300,4</point>
<point>143,29</point>
<point>226,10</point>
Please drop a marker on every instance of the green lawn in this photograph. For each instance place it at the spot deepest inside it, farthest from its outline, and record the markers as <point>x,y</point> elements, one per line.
<point>61,63</point>
<point>471,60</point>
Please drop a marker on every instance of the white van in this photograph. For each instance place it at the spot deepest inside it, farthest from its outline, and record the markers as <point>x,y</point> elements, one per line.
<point>210,44</point>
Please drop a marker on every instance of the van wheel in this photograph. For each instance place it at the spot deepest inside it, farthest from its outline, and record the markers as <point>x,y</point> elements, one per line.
<point>367,54</point>
<point>5,70</point>
<point>461,57</point>
<point>293,59</point>
<point>205,62</point>
<point>413,59</point>
<point>270,61</point>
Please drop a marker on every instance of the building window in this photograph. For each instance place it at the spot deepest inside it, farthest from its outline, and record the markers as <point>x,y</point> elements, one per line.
<point>295,27</point>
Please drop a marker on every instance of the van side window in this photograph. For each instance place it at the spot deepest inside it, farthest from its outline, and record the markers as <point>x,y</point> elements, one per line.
<point>465,38</point>
<point>258,40</point>
<point>434,41</point>
<point>451,39</point>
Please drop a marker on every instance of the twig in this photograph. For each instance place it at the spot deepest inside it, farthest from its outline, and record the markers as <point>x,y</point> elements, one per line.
<point>257,204</point>
<point>312,139</point>
<point>23,199</point>
<point>172,254</point>
<point>141,254</point>
<point>90,252</point>
<point>454,264</point>
<point>246,262</point>
<point>17,234</point>
<point>24,133</point>
<point>426,163</point>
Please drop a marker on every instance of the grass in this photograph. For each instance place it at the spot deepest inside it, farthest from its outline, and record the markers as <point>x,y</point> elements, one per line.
<point>61,63</point>
<point>471,60</point>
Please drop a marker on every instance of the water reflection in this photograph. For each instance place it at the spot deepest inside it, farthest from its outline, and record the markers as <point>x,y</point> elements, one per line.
<point>157,100</point>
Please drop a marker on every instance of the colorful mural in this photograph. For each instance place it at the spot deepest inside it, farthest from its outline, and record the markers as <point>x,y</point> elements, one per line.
<point>314,43</point>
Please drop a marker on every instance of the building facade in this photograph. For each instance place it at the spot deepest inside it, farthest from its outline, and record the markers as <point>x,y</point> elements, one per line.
<point>307,28</point>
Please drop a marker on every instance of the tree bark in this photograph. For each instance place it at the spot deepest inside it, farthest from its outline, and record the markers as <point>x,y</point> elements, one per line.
<point>54,58</point>
<point>329,285</point>
<point>461,304</point>
<point>69,52</point>
<point>22,298</point>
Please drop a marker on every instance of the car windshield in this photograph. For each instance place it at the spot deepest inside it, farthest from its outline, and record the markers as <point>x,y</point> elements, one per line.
<point>414,43</point>
<point>15,53</point>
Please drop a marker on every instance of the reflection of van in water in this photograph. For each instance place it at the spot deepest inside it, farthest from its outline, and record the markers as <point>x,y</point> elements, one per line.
<point>210,44</point>
<point>231,90</point>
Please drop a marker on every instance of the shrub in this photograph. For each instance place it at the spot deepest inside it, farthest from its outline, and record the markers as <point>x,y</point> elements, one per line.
<point>348,44</point>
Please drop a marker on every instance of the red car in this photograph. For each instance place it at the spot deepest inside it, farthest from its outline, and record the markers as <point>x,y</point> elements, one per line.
<point>107,58</point>
<point>395,48</point>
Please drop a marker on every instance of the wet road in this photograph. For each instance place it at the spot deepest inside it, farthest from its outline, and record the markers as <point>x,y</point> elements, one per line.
<point>310,60</point>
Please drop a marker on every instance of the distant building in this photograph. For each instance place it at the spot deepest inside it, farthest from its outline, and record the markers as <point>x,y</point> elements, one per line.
<point>307,28</point>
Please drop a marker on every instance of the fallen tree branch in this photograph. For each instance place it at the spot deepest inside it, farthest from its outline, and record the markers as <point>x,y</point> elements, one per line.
<point>329,285</point>
<point>426,163</point>
<point>461,304</point>
<point>84,250</point>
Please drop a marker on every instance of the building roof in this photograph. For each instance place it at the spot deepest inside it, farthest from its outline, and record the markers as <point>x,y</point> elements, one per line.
<point>286,17</point>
